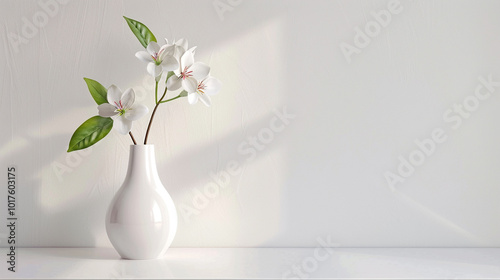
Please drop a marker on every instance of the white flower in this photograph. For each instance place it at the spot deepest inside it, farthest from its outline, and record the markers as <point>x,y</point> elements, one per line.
<point>188,74</point>
<point>121,109</point>
<point>208,86</point>
<point>177,48</point>
<point>158,60</point>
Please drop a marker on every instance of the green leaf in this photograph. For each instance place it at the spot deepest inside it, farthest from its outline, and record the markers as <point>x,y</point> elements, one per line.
<point>140,31</point>
<point>90,132</point>
<point>183,93</point>
<point>98,91</point>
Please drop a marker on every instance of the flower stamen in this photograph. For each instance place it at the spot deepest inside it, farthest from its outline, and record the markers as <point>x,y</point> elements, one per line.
<point>201,88</point>
<point>186,74</point>
<point>119,105</point>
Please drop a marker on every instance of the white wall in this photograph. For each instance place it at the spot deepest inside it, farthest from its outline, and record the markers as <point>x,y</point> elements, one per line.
<point>322,175</point>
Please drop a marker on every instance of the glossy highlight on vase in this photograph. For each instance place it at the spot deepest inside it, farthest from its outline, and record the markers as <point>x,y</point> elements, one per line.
<point>141,221</point>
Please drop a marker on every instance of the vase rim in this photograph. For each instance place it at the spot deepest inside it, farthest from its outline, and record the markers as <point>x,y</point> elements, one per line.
<point>142,147</point>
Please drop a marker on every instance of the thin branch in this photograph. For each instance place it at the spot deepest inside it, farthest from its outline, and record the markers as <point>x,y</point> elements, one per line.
<point>153,115</point>
<point>164,101</point>
<point>132,136</point>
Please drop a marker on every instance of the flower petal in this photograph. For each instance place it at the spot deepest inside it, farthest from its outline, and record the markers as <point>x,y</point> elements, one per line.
<point>178,52</point>
<point>187,58</point>
<point>114,95</point>
<point>177,72</point>
<point>169,63</point>
<point>167,50</point>
<point>200,70</point>
<point>122,125</point>
<point>174,83</point>
<point>128,98</point>
<point>136,112</point>
<point>153,48</point>
<point>182,43</point>
<point>190,84</point>
<point>151,68</point>
<point>192,97</point>
<point>212,86</point>
<point>106,110</point>
<point>144,56</point>
<point>162,53</point>
<point>175,51</point>
<point>154,70</point>
<point>205,99</point>
<point>158,70</point>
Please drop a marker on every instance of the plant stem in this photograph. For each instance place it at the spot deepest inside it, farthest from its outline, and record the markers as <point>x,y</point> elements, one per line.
<point>164,101</point>
<point>153,115</point>
<point>132,136</point>
<point>156,92</point>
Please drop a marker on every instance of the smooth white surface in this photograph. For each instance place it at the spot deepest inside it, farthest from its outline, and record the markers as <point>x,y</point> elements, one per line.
<point>220,263</point>
<point>141,221</point>
<point>321,174</point>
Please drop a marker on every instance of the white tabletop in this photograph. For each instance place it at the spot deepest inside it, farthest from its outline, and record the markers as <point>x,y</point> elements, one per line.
<point>340,263</point>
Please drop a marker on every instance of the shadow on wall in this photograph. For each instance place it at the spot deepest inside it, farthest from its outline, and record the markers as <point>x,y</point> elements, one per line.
<point>75,205</point>
<point>49,225</point>
<point>70,195</point>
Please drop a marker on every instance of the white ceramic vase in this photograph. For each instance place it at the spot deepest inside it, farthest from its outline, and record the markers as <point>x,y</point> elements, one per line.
<point>141,221</point>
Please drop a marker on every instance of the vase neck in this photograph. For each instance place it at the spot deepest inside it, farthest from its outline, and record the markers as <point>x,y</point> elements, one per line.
<point>142,163</point>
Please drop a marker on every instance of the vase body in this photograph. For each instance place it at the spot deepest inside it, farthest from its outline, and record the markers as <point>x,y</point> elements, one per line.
<point>141,221</point>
